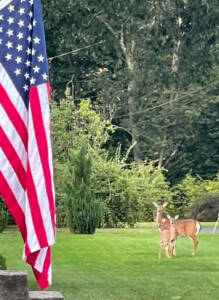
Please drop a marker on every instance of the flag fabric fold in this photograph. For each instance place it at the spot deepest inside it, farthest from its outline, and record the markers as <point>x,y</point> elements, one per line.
<point>26,170</point>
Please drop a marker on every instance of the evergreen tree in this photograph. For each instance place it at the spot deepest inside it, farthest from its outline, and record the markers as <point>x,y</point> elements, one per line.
<point>83,208</point>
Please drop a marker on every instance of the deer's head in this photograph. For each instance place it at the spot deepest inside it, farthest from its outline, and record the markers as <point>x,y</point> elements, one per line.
<point>172,227</point>
<point>160,207</point>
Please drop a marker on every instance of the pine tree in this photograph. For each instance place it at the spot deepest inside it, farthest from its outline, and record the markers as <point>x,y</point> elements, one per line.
<point>83,207</point>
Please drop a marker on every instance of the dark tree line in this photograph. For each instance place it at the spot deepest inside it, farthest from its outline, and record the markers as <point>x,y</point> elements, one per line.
<point>151,67</point>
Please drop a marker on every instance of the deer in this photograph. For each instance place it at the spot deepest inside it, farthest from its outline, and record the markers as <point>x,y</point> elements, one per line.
<point>168,238</point>
<point>186,227</point>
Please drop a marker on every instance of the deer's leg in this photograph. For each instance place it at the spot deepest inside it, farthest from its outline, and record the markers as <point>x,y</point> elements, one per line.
<point>195,241</point>
<point>168,251</point>
<point>174,248</point>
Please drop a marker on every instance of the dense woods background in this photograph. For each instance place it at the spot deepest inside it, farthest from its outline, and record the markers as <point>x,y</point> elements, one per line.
<point>140,89</point>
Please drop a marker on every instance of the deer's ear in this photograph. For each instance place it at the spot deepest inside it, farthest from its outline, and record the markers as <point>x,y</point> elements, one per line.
<point>155,204</point>
<point>165,204</point>
<point>163,220</point>
<point>168,217</point>
<point>176,217</point>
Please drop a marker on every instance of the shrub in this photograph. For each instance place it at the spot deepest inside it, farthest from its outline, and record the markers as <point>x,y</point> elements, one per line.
<point>83,207</point>
<point>206,208</point>
<point>191,194</point>
<point>2,263</point>
<point>126,191</point>
<point>3,219</point>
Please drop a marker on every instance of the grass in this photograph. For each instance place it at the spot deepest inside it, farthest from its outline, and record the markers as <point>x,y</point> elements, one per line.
<point>122,264</point>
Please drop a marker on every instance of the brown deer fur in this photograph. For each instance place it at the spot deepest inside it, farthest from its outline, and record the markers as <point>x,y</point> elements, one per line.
<point>186,227</point>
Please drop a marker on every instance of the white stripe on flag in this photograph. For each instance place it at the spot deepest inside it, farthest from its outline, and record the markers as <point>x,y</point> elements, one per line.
<point>13,181</point>
<point>39,181</point>
<point>13,137</point>
<point>50,275</point>
<point>44,100</point>
<point>41,259</point>
<point>32,239</point>
<point>3,3</point>
<point>13,94</point>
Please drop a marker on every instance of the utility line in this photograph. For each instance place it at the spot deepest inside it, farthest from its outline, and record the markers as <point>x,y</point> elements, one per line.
<point>168,102</point>
<point>148,109</point>
<point>74,51</point>
<point>143,121</point>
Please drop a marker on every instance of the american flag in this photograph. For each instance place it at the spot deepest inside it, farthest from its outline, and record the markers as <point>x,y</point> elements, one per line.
<point>26,173</point>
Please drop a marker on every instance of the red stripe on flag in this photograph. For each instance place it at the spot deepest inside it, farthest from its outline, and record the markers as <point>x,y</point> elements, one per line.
<point>13,158</point>
<point>35,210</point>
<point>13,115</point>
<point>13,205</point>
<point>31,258</point>
<point>42,147</point>
<point>42,278</point>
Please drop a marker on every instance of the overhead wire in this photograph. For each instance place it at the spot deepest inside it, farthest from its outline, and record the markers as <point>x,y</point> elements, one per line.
<point>124,103</point>
<point>167,102</point>
<point>50,59</point>
<point>118,116</point>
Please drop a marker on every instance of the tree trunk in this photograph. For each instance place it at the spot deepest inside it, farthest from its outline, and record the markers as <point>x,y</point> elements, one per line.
<point>128,55</point>
<point>175,66</point>
<point>177,45</point>
<point>176,54</point>
<point>132,125</point>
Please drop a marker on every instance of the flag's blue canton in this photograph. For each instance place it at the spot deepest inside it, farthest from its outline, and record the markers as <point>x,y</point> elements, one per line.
<point>22,45</point>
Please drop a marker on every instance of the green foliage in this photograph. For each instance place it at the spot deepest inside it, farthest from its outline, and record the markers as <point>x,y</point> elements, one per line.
<point>113,185</point>
<point>190,191</point>
<point>167,52</point>
<point>192,187</point>
<point>153,187</point>
<point>3,219</point>
<point>127,191</point>
<point>199,154</point>
<point>179,204</point>
<point>2,263</point>
<point>71,126</point>
<point>83,207</point>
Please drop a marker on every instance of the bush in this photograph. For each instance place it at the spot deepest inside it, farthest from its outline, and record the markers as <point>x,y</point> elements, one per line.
<point>2,263</point>
<point>126,191</point>
<point>191,194</point>
<point>206,209</point>
<point>3,219</point>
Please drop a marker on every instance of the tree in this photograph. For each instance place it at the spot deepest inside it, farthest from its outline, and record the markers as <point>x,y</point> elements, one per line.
<point>71,126</point>
<point>199,154</point>
<point>126,191</point>
<point>83,207</point>
<point>151,75</point>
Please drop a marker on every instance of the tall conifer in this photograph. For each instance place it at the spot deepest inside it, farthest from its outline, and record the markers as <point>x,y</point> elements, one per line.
<point>83,208</point>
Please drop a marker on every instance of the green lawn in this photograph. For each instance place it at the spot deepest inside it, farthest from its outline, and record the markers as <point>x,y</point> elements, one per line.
<point>123,264</point>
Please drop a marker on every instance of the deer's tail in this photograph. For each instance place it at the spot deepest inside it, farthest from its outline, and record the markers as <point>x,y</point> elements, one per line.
<point>198,227</point>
